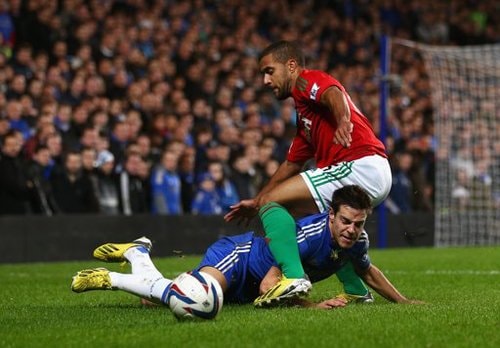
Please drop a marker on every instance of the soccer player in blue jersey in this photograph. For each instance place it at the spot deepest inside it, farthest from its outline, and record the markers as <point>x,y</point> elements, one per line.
<point>244,265</point>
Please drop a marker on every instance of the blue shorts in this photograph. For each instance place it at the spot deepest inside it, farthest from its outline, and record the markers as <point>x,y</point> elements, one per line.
<point>231,256</point>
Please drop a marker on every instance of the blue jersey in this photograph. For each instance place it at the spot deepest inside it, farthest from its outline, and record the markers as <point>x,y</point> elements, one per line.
<point>245,259</point>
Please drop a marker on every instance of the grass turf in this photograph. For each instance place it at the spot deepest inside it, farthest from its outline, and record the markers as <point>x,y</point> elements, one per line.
<point>460,285</point>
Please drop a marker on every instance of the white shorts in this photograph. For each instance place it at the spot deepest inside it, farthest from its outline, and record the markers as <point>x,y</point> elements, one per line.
<point>372,173</point>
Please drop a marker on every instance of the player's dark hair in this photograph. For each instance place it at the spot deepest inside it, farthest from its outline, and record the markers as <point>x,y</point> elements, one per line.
<point>353,196</point>
<point>283,50</point>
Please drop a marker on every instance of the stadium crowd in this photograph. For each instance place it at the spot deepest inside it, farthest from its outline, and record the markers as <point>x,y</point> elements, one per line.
<point>132,106</point>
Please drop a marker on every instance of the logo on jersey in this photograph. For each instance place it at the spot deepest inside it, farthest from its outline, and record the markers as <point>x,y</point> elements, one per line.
<point>334,255</point>
<point>314,91</point>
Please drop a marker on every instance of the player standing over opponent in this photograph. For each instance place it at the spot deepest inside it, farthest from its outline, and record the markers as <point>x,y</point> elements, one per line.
<point>243,264</point>
<point>333,131</point>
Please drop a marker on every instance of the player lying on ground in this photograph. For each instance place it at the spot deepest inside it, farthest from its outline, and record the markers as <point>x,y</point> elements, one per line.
<point>244,266</point>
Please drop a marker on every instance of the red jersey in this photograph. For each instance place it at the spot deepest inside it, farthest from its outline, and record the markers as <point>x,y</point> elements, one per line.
<point>316,125</point>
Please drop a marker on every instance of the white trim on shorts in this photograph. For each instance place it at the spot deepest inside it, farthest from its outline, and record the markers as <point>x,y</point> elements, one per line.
<point>372,173</point>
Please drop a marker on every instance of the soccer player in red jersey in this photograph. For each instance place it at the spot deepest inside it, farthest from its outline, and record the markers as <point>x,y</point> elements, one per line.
<point>333,131</point>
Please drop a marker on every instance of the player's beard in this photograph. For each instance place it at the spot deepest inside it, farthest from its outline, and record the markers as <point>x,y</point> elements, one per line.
<point>285,91</point>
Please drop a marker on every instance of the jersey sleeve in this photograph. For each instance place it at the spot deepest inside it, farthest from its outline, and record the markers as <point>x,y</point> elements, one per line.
<point>362,261</point>
<point>358,254</point>
<point>316,83</point>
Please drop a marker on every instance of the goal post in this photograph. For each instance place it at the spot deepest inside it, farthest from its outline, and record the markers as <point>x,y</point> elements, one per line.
<point>465,93</point>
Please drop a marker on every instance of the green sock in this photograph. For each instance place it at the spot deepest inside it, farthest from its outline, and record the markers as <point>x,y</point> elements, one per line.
<point>279,226</point>
<point>353,285</point>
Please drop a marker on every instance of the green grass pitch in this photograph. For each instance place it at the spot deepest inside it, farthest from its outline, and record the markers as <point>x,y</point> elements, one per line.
<point>461,287</point>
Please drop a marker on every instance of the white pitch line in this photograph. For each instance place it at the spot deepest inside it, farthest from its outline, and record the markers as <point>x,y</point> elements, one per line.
<point>447,272</point>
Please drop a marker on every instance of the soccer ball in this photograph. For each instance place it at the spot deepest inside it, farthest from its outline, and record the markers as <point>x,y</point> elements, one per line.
<point>194,295</point>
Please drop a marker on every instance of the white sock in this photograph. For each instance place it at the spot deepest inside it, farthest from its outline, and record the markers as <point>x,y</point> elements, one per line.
<point>141,262</point>
<point>159,290</point>
<point>145,281</point>
<point>142,285</point>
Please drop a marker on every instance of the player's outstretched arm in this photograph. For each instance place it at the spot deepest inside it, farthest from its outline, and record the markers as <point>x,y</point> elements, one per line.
<point>246,209</point>
<point>327,304</point>
<point>378,282</point>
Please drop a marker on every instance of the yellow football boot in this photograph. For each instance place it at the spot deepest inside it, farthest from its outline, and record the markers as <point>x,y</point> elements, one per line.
<point>113,252</point>
<point>286,288</point>
<point>91,279</point>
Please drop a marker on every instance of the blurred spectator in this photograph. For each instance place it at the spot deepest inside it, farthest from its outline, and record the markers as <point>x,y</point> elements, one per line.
<point>205,149</point>
<point>89,161</point>
<point>17,87</point>
<point>166,186</point>
<point>164,74</point>
<point>402,189</point>
<point>39,138</point>
<point>225,189</point>
<point>88,138</point>
<point>15,187</point>
<point>75,94</point>
<point>14,115</point>
<point>7,29</point>
<point>22,61</point>
<point>73,191</point>
<point>134,197</point>
<point>62,119</point>
<point>106,188</point>
<point>206,199</point>
<point>461,190</point>
<point>39,171</point>
<point>187,176</point>
<point>4,126</point>
<point>118,140</point>
<point>55,146</point>
<point>242,177</point>
<point>270,168</point>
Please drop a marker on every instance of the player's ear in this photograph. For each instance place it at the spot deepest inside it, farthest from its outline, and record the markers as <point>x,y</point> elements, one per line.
<point>331,213</point>
<point>292,65</point>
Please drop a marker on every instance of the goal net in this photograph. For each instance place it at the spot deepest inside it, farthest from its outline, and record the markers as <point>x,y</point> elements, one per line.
<point>465,87</point>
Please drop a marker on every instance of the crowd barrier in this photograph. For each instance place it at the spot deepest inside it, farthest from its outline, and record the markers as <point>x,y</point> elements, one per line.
<point>73,237</point>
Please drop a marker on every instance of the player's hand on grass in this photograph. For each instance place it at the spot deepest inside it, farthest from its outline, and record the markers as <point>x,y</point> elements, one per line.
<point>407,301</point>
<point>242,212</point>
<point>331,303</point>
<point>148,303</point>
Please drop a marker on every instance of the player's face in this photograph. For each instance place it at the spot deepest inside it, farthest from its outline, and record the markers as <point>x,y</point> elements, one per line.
<point>276,76</point>
<point>347,225</point>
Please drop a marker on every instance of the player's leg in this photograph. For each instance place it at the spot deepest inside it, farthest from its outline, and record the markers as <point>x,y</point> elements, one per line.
<point>221,260</point>
<point>145,281</point>
<point>291,197</point>
<point>371,174</point>
<point>354,288</point>
<point>278,205</point>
